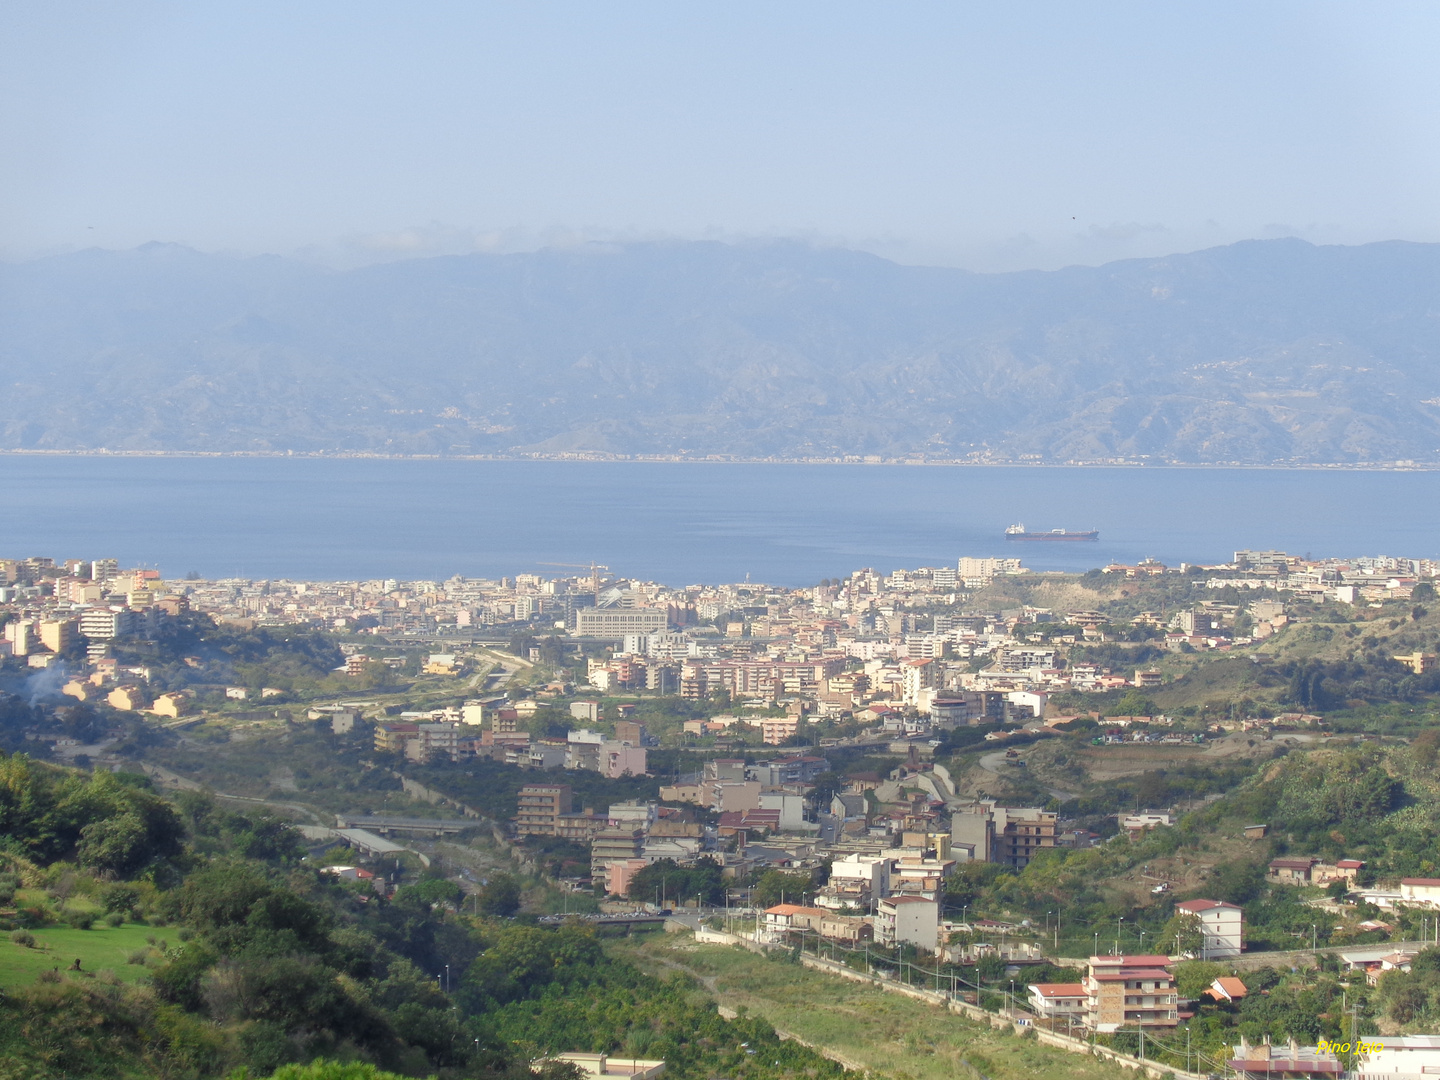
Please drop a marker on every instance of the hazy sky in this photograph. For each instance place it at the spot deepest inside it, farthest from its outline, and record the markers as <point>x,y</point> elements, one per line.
<point>992,136</point>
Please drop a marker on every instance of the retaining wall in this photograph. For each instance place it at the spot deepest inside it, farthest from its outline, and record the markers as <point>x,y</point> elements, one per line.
<point>961,1008</point>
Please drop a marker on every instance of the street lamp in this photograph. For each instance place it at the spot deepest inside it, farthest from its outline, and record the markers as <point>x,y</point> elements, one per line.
<point>1118,921</point>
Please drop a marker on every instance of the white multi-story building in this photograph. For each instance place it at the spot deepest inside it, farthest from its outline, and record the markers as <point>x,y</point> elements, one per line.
<point>855,881</point>
<point>908,920</point>
<point>1222,927</point>
<point>617,622</point>
<point>917,677</point>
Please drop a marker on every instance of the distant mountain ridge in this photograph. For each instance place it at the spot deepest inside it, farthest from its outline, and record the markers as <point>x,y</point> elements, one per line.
<point>1259,352</point>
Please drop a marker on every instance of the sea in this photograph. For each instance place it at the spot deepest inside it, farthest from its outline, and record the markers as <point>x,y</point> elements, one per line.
<point>679,523</point>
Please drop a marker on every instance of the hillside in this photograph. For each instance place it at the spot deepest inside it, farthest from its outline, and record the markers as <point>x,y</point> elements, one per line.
<point>1265,351</point>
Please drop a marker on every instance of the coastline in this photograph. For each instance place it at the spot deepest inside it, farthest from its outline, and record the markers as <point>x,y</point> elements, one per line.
<point>724,459</point>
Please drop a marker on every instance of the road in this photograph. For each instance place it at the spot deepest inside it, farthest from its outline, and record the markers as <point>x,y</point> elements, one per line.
<point>509,666</point>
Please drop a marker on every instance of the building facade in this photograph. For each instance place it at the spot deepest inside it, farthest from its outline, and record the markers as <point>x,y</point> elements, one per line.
<point>1128,992</point>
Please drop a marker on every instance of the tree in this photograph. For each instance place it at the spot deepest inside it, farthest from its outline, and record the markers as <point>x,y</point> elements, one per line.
<point>333,1070</point>
<point>500,895</point>
<point>1134,703</point>
<point>666,879</point>
<point>431,891</point>
<point>1193,976</point>
<point>1184,933</point>
<point>773,885</point>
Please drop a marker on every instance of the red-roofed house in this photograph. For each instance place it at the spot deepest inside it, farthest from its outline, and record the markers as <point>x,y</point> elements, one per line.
<point>1227,988</point>
<point>785,917</point>
<point>1222,926</point>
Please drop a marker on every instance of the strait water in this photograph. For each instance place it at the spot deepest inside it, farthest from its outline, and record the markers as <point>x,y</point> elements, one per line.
<point>679,523</point>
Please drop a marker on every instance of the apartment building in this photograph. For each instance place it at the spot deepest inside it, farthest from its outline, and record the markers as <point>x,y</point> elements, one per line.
<point>1020,832</point>
<point>987,832</point>
<point>1129,991</point>
<point>618,843</point>
<point>917,677</point>
<point>617,622</point>
<point>1222,927</point>
<point>908,920</point>
<point>59,635</point>
<point>540,807</point>
<point>855,881</point>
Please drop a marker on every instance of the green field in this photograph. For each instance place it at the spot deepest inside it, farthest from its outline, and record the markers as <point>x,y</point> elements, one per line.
<point>103,948</point>
<point>895,1036</point>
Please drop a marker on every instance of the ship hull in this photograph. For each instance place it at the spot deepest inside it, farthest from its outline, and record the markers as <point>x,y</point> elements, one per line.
<point>1060,538</point>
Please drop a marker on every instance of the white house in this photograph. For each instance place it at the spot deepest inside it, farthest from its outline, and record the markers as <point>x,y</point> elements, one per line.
<point>1420,891</point>
<point>1398,1057</point>
<point>1222,926</point>
<point>1059,1001</point>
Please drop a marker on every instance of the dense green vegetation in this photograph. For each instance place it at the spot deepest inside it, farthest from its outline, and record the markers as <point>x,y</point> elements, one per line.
<point>192,650</point>
<point>255,958</point>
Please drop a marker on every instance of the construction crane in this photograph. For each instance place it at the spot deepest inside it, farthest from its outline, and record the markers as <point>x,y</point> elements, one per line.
<point>594,569</point>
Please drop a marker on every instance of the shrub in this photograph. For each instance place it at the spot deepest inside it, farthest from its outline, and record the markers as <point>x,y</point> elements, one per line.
<point>139,956</point>
<point>120,898</point>
<point>332,1070</point>
<point>23,938</point>
<point>185,933</point>
<point>80,920</point>
<point>115,919</point>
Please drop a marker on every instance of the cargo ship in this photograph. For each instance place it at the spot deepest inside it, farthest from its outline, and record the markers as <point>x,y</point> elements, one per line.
<point>1017,532</point>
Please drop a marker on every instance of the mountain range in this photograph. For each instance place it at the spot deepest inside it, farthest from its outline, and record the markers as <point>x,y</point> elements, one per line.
<point>1263,352</point>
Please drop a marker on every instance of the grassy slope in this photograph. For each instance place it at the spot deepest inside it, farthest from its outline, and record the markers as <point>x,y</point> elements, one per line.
<point>893,1035</point>
<point>103,948</point>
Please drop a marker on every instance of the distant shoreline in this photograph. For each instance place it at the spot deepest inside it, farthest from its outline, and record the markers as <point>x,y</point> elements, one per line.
<point>714,459</point>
